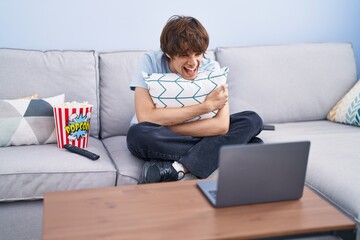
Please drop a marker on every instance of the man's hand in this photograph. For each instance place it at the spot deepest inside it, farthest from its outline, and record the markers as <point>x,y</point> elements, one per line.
<point>218,98</point>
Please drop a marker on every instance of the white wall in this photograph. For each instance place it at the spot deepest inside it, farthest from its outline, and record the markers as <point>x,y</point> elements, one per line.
<point>115,24</point>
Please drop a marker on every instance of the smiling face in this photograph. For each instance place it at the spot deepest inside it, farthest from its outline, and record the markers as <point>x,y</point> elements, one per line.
<point>184,41</point>
<point>186,65</point>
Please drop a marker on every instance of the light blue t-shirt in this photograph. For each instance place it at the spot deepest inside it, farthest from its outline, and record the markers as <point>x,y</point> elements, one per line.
<point>156,62</point>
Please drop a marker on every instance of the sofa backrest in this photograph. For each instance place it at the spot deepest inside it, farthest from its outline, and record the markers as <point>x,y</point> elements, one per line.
<point>283,83</point>
<point>299,82</point>
<point>50,73</point>
<point>117,100</point>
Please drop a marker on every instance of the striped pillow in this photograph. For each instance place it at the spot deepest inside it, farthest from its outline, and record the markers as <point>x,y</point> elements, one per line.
<point>170,90</point>
<point>347,110</point>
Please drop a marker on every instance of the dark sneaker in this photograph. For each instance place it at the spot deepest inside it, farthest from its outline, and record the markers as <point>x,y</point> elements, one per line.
<point>155,171</point>
<point>256,140</point>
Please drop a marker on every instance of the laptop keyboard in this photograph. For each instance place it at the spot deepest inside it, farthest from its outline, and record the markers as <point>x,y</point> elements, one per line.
<point>213,193</point>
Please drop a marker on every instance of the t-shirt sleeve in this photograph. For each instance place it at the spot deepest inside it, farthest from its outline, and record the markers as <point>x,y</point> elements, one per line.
<point>208,64</point>
<point>144,65</point>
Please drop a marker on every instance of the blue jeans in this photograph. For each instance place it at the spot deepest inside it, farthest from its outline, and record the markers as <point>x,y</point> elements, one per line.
<point>199,155</point>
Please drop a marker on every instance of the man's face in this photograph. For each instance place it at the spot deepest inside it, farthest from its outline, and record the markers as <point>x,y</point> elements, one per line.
<point>186,65</point>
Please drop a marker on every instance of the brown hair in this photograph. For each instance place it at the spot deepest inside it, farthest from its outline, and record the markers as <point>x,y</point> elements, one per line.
<point>183,35</point>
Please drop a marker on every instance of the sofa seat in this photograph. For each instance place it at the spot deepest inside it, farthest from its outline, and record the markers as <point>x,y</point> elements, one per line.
<point>26,172</point>
<point>128,166</point>
<point>334,160</point>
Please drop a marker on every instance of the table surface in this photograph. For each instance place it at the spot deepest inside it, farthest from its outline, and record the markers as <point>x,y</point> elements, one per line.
<point>178,210</point>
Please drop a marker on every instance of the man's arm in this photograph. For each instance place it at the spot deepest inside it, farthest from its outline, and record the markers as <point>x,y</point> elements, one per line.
<point>147,112</point>
<point>218,125</point>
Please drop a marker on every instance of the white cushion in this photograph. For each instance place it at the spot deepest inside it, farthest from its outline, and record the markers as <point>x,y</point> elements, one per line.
<point>170,90</point>
<point>28,121</point>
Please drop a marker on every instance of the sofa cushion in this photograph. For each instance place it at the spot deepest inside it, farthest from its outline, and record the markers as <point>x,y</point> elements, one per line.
<point>333,168</point>
<point>347,110</point>
<point>172,90</point>
<point>128,167</point>
<point>28,121</point>
<point>299,82</point>
<point>117,101</point>
<point>27,172</point>
<point>50,73</point>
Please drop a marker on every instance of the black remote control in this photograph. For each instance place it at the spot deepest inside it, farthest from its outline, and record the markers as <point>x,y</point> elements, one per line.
<point>268,127</point>
<point>81,151</point>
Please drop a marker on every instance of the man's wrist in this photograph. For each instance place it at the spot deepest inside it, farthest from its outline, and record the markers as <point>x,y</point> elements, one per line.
<point>206,106</point>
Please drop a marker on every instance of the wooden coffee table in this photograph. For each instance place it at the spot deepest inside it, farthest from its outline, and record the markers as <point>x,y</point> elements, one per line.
<point>178,210</point>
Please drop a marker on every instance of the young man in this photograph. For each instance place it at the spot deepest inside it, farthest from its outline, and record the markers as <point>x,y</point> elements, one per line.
<point>170,145</point>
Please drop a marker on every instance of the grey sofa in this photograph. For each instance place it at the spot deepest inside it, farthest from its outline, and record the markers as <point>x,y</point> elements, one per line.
<point>290,86</point>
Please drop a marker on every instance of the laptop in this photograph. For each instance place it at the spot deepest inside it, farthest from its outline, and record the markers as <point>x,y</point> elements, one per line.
<point>258,173</point>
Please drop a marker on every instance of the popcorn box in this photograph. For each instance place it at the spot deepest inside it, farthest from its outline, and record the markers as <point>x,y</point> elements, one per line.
<point>72,124</point>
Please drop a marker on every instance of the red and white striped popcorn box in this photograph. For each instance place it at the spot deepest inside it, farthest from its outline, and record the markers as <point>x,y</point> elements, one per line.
<point>72,124</point>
